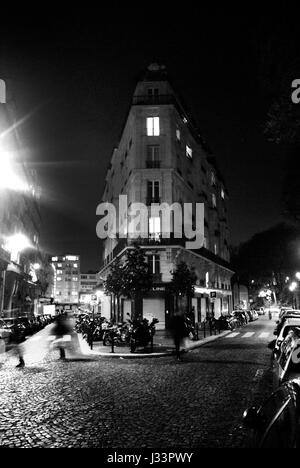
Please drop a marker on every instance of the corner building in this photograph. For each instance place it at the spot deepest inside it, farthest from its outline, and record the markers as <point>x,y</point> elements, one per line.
<point>162,157</point>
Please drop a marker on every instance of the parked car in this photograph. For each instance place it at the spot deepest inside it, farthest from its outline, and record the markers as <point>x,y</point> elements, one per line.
<point>288,325</point>
<point>276,424</point>
<point>261,311</point>
<point>287,365</point>
<point>290,314</point>
<point>5,332</point>
<point>284,310</point>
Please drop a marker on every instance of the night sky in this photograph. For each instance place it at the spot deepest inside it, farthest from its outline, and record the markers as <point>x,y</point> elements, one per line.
<point>75,75</point>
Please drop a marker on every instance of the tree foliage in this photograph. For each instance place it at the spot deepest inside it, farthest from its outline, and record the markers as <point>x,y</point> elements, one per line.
<point>183,280</point>
<point>269,257</point>
<point>137,277</point>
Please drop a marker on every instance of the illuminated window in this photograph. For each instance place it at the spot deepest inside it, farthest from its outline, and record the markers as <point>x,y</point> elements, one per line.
<point>74,293</point>
<point>59,265</point>
<point>59,272</point>
<point>154,262</point>
<point>75,265</point>
<point>216,249</point>
<point>72,258</point>
<point>154,228</point>
<point>178,135</point>
<point>213,178</point>
<point>58,278</point>
<point>214,200</point>
<point>153,126</point>
<point>189,152</point>
<point>54,259</point>
<point>153,191</point>
<point>222,194</point>
<point>74,278</point>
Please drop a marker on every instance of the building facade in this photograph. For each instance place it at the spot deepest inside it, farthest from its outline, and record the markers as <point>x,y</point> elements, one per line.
<point>88,284</point>
<point>20,219</point>
<point>162,158</point>
<point>66,279</point>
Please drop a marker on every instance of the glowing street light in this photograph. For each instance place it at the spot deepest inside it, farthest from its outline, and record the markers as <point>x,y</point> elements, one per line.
<point>8,177</point>
<point>15,244</point>
<point>293,286</point>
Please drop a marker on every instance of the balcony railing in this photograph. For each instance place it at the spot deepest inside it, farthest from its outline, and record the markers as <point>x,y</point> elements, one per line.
<point>153,164</point>
<point>151,200</point>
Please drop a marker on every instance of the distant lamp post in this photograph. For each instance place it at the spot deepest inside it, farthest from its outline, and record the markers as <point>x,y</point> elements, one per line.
<point>293,286</point>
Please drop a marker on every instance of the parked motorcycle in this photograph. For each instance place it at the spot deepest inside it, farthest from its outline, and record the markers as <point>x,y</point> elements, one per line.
<point>119,334</point>
<point>142,333</point>
<point>191,331</point>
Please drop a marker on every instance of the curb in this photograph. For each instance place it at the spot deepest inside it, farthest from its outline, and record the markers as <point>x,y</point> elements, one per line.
<point>191,347</point>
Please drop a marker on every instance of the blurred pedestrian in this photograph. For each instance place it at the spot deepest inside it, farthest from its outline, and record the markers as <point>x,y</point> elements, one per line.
<point>16,340</point>
<point>179,332</point>
<point>60,329</point>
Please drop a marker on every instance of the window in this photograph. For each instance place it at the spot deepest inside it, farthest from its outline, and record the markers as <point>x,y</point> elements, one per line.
<point>214,200</point>
<point>216,249</point>
<point>222,194</point>
<point>75,278</point>
<point>58,278</point>
<point>154,228</point>
<point>153,93</point>
<point>75,265</point>
<point>153,156</point>
<point>153,126</point>
<point>59,265</point>
<point>154,262</point>
<point>59,272</point>
<point>178,135</point>
<point>213,178</point>
<point>189,152</point>
<point>153,191</point>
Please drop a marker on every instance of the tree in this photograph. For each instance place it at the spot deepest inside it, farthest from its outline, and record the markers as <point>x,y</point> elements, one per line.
<point>279,66</point>
<point>137,279</point>
<point>113,285</point>
<point>183,283</point>
<point>268,258</point>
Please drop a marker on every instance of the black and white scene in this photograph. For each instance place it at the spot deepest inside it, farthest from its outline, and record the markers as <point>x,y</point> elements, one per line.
<point>150,230</point>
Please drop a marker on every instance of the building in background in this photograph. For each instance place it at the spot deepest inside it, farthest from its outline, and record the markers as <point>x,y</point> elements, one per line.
<point>88,284</point>
<point>162,157</point>
<point>66,280</point>
<point>20,218</point>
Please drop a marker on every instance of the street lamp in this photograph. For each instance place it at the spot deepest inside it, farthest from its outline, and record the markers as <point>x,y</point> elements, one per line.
<point>14,244</point>
<point>9,179</point>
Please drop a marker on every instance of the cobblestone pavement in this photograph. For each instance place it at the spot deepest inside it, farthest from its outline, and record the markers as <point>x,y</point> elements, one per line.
<point>120,403</point>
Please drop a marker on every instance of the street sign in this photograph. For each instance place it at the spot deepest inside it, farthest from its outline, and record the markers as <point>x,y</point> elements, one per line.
<point>213,294</point>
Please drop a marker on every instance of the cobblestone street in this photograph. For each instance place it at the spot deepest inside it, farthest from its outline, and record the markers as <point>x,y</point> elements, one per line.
<point>153,403</point>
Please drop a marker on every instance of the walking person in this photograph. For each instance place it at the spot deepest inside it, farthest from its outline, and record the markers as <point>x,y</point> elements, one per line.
<point>61,328</point>
<point>179,332</point>
<point>17,338</point>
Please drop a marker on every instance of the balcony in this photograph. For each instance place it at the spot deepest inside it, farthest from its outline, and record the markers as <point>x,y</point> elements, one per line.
<point>152,100</point>
<point>153,164</point>
<point>151,200</point>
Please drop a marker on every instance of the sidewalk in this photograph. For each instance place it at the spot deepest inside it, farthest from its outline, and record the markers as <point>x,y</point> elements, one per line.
<point>163,346</point>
